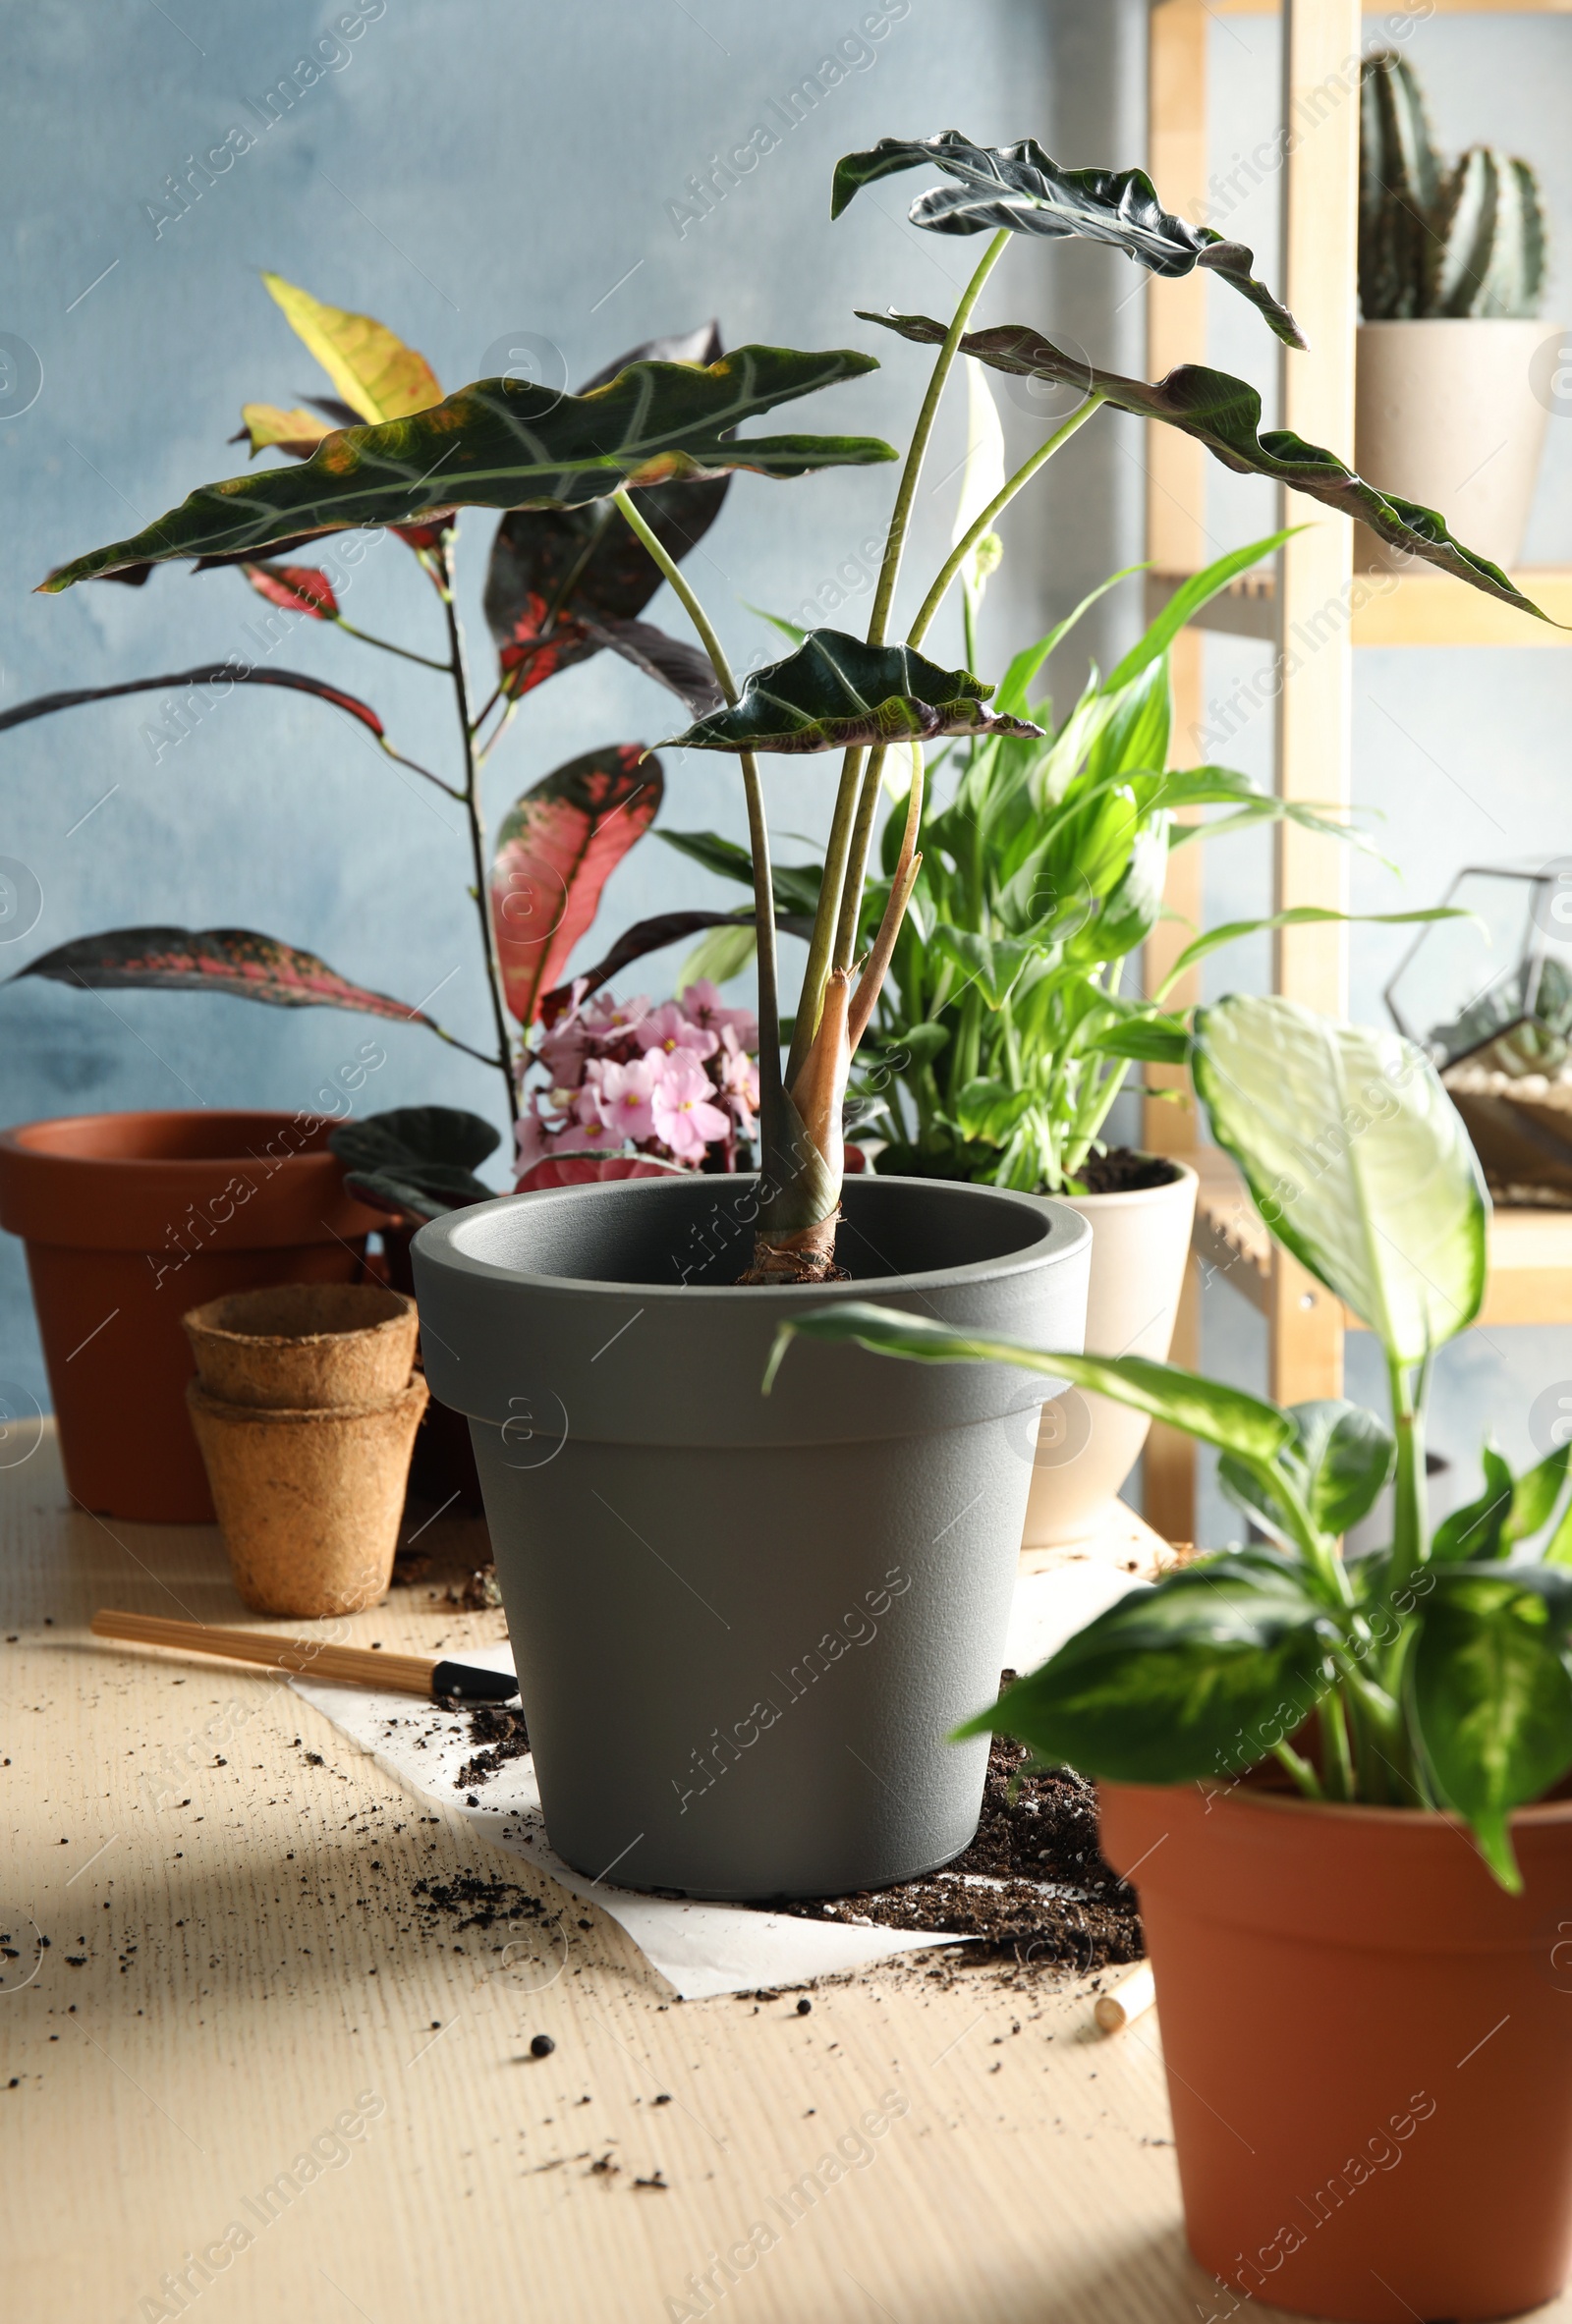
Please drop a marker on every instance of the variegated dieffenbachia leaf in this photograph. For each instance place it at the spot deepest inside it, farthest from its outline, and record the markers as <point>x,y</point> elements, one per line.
<point>835,692</point>
<point>1225,414</point>
<point>509,444</point>
<point>1023,190</point>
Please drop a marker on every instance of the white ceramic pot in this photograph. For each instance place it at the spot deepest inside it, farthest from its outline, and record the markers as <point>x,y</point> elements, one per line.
<point>1087,1445</point>
<point>1445,413</point>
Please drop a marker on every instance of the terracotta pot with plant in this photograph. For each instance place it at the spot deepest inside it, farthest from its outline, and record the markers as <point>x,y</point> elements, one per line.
<point>1340,1783</point>
<point>653,1523</point>
<point>1451,269</point>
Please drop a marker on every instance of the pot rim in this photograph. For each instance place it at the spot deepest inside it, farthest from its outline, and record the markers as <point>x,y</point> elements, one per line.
<point>14,1140</point>
<point>439,1242</point>
<point>1369,1814</point>
<point>291,1415</point>
<point>1133,1197</point>
<point>194,1321</point>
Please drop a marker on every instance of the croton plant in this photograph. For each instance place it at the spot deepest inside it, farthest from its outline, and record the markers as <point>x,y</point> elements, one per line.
<point>603,494</point>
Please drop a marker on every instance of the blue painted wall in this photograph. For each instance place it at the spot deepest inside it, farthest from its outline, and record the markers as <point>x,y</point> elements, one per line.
<point>467,173</point>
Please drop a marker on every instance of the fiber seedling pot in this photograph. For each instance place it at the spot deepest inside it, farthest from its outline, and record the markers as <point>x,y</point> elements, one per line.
<point>130,1220</point>
<point>745,1626</point>
<point>1369,2046</point>
<point>1085,1445</point>
<point>304,1345</point>
<point>309,1501</point>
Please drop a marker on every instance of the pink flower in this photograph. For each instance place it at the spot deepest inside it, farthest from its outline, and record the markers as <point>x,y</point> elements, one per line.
<point>739,1079</point>
<point>666,1028</point>
<point>607,1017</point>
<point>620,1096</point>
<point>701,1005</point>
<point>684,1118</point>
<point>563,1050</point>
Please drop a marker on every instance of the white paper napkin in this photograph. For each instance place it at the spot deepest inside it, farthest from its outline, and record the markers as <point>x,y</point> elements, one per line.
<point>700,1949</point>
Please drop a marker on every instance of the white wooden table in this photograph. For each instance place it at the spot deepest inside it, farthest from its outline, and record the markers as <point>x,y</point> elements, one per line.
<point>234,1980</point>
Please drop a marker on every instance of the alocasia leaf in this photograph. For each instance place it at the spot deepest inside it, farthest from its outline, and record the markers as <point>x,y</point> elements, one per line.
<point>295,589</point>
<point>509,444</point>
<point>557,847</point>
<point>237,960</point>
<point>1198,1677</point>
<point>376,373</point>
<point>1225,414</point>
<point>1019,189</point>
<point>834,691</point>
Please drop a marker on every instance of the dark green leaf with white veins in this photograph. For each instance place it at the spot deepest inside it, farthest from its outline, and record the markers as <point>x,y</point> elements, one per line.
<point>1019,189</point>
<point>508,444</point>
<point>1491,1691</point>
<point>1198,1677</point>
<point>1225,414</point>
<point>834,691</point>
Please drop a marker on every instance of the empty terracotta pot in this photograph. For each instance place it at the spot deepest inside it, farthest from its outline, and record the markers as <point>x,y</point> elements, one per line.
<point>1369,2045</point>
<point>130,1220</point>
<point>304,1345</point>
<point>309,1501</point>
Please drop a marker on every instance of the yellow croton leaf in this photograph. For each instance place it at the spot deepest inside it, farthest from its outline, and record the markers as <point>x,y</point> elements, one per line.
<point>296,431</point>
<point>372,369</point>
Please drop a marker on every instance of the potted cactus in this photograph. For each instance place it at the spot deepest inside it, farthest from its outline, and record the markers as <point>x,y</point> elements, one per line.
<point>1451,268</point>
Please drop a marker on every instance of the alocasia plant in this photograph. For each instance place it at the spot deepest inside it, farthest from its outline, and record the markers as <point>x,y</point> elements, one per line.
<point>612,454</point>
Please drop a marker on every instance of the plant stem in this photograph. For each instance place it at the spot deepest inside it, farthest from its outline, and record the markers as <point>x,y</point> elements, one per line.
<point>1334,1742</point>
<point>995,508</point>
<point>900,515</point>
<point>1300,1769</point>
<point>769,1083</point>
<point>386,644</point>
<point>845,856</point>
<point>471,808</point>
<point>1409,1543</point>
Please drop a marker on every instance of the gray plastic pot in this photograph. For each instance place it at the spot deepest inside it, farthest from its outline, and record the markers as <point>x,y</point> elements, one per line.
<point>744,1626</point>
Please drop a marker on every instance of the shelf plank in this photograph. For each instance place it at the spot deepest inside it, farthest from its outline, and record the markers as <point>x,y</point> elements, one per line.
<point>1434,8</point>
<point>1531,1251</point>
<point>1394,609</point>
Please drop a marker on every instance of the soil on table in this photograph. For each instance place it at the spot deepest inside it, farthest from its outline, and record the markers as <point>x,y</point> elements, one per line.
<point>503,1735</point>
<point>1033,1886</point>
<point>1124,1171</point>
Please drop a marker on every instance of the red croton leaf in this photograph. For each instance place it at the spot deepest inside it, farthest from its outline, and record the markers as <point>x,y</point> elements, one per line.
<point>220,675</point>
<point>556,848</point>
<point>237,960</point>
<point>585,1170</point>
<point>297,589</point>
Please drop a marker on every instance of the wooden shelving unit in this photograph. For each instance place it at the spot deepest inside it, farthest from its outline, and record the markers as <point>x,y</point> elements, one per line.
<point>1531,1251</point>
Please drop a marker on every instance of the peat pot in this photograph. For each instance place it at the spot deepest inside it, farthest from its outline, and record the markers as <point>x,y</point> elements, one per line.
<point>1087,1445</point>
<point>1448,414</point>
<point>745,1626</point>
<point>1369,2048</point>
<point>130,1220</point>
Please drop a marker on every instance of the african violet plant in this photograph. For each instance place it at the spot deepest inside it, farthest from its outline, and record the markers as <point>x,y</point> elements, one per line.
<point>595,461</point>
<point>1433,1673</point>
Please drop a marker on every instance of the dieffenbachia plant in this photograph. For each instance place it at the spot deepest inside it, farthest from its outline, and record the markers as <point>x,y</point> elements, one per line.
<point>1435,1672</point>
<point>608,451</point>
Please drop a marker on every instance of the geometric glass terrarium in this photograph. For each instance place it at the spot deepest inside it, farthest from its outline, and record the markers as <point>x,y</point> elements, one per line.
<point>1490,999</point>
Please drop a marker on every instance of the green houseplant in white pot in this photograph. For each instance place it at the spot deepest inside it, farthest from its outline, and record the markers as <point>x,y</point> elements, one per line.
<point>1451,269</point>
<point>718,1548</point>
<point>1361,1966</point>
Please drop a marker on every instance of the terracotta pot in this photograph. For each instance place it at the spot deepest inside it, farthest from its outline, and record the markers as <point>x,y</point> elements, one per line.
<point>1086,1446</point>
<point>306,1345</point>
<point>1445,413</point>
<point>309,1501</point>
<point>1368,2047</point>
<point>130,1220</point>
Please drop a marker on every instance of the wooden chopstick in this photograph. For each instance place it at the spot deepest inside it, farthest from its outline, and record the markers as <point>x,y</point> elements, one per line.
<point>359,1666</point>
